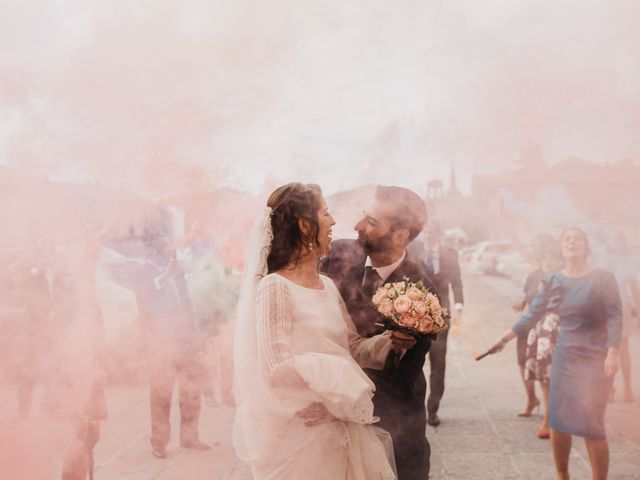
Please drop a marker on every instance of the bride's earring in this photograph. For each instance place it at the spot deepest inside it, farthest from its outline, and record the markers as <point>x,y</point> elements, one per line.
<point>310,246</point>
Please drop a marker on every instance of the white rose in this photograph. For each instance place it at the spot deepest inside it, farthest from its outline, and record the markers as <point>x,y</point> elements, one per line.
<point>400,287</point>
<point>414,293</point>
<point>378,297</point>
<point>386,307</point>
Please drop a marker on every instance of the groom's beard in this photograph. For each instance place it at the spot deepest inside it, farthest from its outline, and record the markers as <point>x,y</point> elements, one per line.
<point>381,244</point>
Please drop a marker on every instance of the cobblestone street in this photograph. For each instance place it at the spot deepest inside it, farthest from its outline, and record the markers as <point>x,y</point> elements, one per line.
<point>481,436</point>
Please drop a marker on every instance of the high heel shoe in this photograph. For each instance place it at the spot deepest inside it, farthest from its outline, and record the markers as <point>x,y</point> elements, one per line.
<point>628,395</point>
<point>543,433</point>
<point>530,408</point>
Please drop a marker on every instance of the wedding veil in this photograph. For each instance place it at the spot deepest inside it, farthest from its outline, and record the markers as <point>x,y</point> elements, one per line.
<point>250,434</point>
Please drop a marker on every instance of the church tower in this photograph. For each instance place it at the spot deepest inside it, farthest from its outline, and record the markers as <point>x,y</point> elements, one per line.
<point>435,189</point>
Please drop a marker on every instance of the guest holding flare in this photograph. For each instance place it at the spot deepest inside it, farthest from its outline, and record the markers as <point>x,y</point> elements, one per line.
<point>585,360</point>
<point>535,349</point>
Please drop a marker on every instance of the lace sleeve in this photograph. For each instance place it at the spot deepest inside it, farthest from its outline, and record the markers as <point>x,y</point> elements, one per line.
<point>367,352</point>
<point>273,322</point>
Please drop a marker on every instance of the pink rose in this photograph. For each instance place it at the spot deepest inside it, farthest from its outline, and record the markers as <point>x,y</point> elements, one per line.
<point>420,307</point>
<point>434,301</point>
<point>408,319</point>
<point>428,326</point>
<point>422,325</point>
<point>378,297</point>
<point>402,304</point>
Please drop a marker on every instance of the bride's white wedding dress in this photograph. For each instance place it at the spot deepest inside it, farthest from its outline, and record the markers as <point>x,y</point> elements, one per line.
<point>306,344</point>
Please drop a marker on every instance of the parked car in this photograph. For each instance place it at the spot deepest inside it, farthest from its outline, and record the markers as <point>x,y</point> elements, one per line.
<point>485,256</point>
<point>513,264</point>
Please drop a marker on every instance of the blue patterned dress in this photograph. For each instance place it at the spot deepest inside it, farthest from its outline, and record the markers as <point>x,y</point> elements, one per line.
<point>590,315</point>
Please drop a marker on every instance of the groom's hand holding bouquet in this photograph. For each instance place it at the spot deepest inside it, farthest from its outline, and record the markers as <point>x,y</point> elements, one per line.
<point>409,309</point>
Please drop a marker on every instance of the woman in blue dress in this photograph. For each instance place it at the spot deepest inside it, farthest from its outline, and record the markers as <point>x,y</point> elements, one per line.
<point>585,359</point>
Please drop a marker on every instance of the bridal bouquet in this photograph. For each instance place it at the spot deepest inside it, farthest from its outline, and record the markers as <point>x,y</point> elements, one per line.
<point>408,307</point>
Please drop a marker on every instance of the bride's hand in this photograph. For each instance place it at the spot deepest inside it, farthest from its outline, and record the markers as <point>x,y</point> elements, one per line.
<point>315,414</point>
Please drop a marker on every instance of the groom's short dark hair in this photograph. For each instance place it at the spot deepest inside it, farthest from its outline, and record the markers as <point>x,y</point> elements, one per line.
<point>409,209</point>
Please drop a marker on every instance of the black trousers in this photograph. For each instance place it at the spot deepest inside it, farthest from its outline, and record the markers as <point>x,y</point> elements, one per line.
<point>171,362</point>
<point>404,417</point>
<point>437,361</point>
<point>411,448</point>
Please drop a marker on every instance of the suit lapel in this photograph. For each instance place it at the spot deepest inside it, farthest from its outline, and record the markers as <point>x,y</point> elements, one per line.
<point>350,280</point>
<point>415,273</point>
<point>405,269</point>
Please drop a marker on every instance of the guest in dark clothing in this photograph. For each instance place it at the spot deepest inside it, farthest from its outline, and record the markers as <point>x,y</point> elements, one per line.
<point>530,288</point>
<point>393,219</point>
<point>541,339</point>
<point>65,349</point>
<point>536,346</point>
<point>36,286</point>
<point>442,265</point>
<point>167,314</point>
<point>75,375</point>
<point>585,360</point>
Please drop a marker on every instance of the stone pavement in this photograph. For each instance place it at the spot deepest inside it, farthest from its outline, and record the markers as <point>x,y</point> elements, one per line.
<point>481,436</point>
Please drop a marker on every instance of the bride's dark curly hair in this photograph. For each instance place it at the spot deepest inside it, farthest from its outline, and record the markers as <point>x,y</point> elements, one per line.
<point>291,203</point>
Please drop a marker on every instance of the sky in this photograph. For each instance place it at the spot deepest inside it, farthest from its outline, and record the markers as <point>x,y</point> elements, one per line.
<point>337,93</point>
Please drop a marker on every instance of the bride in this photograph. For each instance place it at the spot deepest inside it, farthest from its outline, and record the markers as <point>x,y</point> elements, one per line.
<point>304,407</point>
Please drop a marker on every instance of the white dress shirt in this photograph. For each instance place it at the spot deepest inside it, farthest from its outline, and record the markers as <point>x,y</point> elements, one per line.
<point>387,270</point>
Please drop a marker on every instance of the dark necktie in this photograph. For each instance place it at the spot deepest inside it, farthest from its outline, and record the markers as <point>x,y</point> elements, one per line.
<point>371,281</point>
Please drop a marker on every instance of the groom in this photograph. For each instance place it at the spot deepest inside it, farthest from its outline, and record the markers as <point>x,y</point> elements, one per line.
<point>393,219</point>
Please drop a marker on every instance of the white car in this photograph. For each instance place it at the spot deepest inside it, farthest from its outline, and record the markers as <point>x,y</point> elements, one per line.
<point>513,264</point>
<point>484,257</point>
